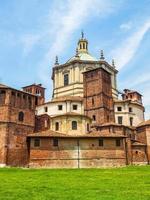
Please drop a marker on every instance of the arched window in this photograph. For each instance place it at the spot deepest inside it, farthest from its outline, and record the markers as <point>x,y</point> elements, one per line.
<point>21,116</point>
<point>66,79</point>
<point>83,46</point>
<point>74,125</point>
<point>56,126</point>
<point>80,46</point>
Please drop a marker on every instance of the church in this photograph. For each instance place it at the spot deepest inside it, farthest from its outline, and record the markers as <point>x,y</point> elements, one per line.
<point>88,123</point>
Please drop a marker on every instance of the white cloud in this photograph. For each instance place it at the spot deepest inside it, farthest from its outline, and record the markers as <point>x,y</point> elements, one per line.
<point>126,51</point>
<point>126,26</point>
<point>29,41</point>
<point>141,79</point>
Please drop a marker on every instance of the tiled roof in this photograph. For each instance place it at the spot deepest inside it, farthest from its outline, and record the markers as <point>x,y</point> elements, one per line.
<point>47,133</point>
<point>144,123</point>
<point>7,87</point>
<point>131,91</point>
<point>111,124</point>
<point>4,86</point>
<point>34,84</point>
<point>50,133</point>
<point>129,101</point>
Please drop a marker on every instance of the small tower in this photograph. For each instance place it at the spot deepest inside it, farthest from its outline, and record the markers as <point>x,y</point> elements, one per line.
<point>132,95</point>
<point>82,44</point>
<point>37,90</point>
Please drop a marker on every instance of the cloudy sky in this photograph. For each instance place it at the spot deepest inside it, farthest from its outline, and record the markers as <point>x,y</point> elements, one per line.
<point>33,32</point>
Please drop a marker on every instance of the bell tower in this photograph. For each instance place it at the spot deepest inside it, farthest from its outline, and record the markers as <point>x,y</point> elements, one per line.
<point>98,100</point>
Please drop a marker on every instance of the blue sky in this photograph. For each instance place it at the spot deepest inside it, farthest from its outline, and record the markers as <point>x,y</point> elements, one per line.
<point>33,32</point>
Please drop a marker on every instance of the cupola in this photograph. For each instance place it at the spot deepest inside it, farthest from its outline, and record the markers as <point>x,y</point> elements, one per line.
<point>82,44</point>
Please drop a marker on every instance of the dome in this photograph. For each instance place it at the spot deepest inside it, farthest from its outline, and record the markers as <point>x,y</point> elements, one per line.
<point>84,56</point>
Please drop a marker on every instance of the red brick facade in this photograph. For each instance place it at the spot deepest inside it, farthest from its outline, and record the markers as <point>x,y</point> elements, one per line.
<point>98,101</point>
<point>17,120</point>
<point>42,123</point>
<point>107,145</point>
<point>27,139</point>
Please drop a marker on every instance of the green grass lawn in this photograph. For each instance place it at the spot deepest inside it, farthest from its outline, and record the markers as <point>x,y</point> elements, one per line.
<point>131,183</point>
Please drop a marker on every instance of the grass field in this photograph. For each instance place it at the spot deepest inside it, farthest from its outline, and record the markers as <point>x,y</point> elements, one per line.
<point>131,183</point>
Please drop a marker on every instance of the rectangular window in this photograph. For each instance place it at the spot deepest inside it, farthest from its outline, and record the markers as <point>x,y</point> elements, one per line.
<point>3,92</point>
<point>119,109</point>
<point>75,107</point>
<point>57,126</point>
<point>101,143</point>
<point>93,101</point>
<point>131,121</point>
<point>120,120</point>
<point>94,118</point>
<point>60,107</point>
<point>130,109</point>
<point>36,101</point>
<point>13,93</point>
<point>18,94</point>
<point>88,127</point>
<point>118,143</point>
<point>55,142</point>
<point>66,79</point>
<point>46,109</point>
<point>74,125</point>
<point>36,142</point>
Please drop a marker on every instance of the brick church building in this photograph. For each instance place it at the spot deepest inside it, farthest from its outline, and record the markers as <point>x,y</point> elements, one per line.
<point>86,124</point>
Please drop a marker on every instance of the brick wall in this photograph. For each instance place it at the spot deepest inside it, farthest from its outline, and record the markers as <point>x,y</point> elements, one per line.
<point>139,155</point>
<point>98,99</point>
<point>42,123</point>
<point>74,153</point>
<point>13,132</point>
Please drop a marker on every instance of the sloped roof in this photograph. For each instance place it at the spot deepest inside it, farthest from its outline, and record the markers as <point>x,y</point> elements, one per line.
<point>111,124</point>
<point>127,91</point>
<point>4,86</point>
<point>47,133</point>
<point>128,101</point>
<point>145,123</point>
<point>34,84</point>
<point>50,133</point>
